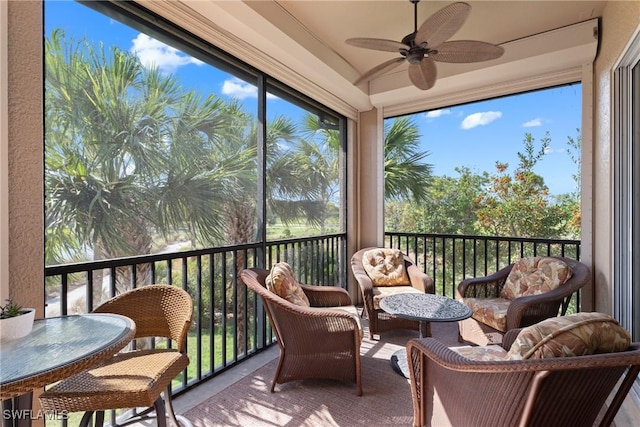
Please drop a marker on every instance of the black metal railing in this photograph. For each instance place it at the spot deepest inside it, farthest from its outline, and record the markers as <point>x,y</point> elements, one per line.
<point>229,323</point>
<point>449,259</point>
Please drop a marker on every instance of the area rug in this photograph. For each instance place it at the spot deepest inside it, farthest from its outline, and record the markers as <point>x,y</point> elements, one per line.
<point>386,399</point>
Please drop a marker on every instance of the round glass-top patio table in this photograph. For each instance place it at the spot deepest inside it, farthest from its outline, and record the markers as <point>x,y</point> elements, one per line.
<point>57,348</point>
<point>425,308</point>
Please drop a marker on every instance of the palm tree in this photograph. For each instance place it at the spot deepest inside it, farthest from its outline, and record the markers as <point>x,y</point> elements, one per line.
<point>129,154</point>
<point>405,174</point>
<point>318,157</point>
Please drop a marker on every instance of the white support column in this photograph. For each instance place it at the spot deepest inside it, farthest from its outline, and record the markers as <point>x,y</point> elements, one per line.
<point>370,174</point>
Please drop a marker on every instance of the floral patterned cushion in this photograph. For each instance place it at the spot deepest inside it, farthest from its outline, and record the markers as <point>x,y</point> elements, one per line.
<point>385,267</point>
<point>282,282</point>
<point>484,353</point>
<point>490,311</point>
<point>573,335</point>
<point>536,275</point>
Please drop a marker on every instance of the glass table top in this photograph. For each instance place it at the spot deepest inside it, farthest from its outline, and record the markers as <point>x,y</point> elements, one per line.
<point>62,342</point>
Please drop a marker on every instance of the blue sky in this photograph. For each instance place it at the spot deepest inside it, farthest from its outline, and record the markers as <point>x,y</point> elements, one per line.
<point>477,135</point>
<point>473,135</point>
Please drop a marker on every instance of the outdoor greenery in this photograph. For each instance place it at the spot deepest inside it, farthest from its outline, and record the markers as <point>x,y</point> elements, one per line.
<point>133,158</point>
<point>500,203</point>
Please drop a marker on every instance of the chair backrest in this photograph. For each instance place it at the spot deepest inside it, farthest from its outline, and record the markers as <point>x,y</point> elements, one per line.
<point>284,316</point>
<point>158,311</point>
<point>581,277</point>
<point>255,279</point>
<point>449,389</point>
<point>357,264</point>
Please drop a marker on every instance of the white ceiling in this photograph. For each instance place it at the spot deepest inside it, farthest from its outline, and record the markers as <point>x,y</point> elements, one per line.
<point>302,41</point>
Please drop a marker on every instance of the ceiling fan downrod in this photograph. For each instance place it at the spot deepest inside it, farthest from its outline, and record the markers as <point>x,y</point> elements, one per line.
<point>415,53</point>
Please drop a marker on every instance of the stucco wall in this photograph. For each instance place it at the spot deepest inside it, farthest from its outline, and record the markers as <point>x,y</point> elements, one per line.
<point>25,148</point>
<point>618,25</point>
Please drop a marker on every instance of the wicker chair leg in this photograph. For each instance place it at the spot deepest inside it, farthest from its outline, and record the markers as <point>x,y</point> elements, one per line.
<point>277,374</point>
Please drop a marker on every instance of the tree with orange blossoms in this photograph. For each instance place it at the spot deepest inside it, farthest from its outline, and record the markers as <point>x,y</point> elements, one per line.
<point>519,204</point>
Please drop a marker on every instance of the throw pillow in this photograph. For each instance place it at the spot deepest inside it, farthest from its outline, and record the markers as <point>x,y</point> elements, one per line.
<point>385,267</point>
<point>573,335</point>
<point>282,282</point>
<point>535,275</point>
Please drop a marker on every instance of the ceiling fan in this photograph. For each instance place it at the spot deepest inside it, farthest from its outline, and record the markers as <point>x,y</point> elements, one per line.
<point>429,44</point>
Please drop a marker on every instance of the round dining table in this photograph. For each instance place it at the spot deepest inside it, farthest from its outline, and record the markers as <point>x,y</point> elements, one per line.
<point>56,348</point>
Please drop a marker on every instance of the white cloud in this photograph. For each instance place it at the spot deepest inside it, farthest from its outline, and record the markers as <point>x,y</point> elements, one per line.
<point>480,119</point>
<point>240,89</point>
<point>533,123</point>
<point>437,113</point>
<point>237,88</point>
<point>155,53</point>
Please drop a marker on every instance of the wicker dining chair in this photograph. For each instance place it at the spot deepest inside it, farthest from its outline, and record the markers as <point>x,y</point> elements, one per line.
<point>321,341</point>
<point>136,378</point>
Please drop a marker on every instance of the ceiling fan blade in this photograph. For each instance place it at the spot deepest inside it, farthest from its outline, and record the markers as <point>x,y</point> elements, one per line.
<point>377,44</point>
<point>442,25</point>
<point>462,51</point>
<point>423,75</point>
<point>380,69</point>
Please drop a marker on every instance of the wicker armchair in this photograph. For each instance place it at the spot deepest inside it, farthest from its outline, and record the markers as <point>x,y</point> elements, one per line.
<point>449,389</point>
<point>379,320</point>
<point>321,341</point>
<point>137,378</point>
<point>522,311</point>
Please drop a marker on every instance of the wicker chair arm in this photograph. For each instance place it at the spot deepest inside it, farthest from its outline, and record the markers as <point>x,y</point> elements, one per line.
<point>313,318</point>
<point>539,303</point>
<point>419,280</point>
<point>282,304</point>
<point>509,337</point>
<point>326,296</point>
<point>444,356</point>
<point>485,287</point>
<point>363,279</point>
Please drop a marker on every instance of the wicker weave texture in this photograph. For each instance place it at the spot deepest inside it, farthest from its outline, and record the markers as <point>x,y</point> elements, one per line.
<point>450,390</point>
<point>379,320</point>
<point>134,378</point>
<point>524,311</point>
<point>158,310</point>
<point>130,380</point>
<point>315,342</point>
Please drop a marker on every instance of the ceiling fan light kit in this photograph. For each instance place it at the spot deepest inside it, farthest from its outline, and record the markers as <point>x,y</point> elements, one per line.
<point>427,45</point>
